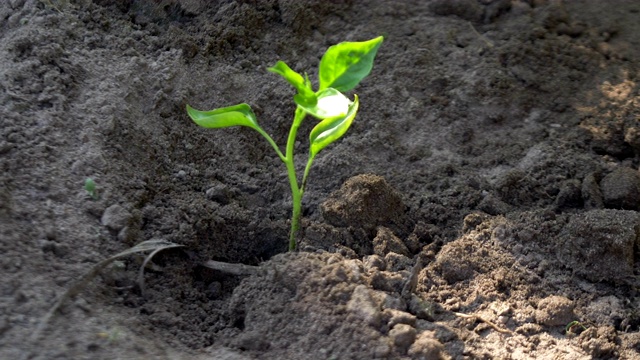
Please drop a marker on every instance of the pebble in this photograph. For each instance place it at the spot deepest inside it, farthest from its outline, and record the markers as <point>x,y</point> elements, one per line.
<point>397,262</point>
<point>555,311</point>
<point>426,347</point>
<point>403,335</point>
<point>219,194</point>
<point>115,217</point>
<point>363,305</point>
<point>621,189</point>
<point>386,242</point>
<point>372,262</point>
<point>399,317</point>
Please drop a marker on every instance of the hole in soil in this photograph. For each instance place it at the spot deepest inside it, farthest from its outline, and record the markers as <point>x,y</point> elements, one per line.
<point>214,284</point>
<point>239,323</point>
<point>632,325</point>
<point>240,242</point>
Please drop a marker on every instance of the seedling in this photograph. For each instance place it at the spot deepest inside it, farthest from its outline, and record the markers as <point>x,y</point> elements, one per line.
<point>575,327</point>
<point>90,188</point>
<point>341,69</point>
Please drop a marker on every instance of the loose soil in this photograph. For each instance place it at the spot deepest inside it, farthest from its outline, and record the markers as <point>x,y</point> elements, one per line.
<point>484,205</point>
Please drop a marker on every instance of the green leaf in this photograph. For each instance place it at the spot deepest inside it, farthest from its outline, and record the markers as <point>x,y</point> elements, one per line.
<point>90,185</point>
<point>302,84</point>
<point>236,115</point>
<point>295,79</point>
<point>344,65</point>
<point>331,129</point>
<point>330,103</point>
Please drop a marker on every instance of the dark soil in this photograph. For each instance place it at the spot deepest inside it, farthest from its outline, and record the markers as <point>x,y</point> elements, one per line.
<point>484,205</point>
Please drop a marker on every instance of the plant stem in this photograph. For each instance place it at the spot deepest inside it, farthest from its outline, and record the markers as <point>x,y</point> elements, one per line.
<point>296,192</point>
<point>306,173</point>
<point>273,143</point>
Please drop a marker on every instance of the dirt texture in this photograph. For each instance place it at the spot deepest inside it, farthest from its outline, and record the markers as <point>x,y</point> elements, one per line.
<point>484,204</point>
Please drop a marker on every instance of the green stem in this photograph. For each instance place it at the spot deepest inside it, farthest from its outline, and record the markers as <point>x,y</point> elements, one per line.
<point>306,173</point>
<point>273,143</point>
<point>296,193</point>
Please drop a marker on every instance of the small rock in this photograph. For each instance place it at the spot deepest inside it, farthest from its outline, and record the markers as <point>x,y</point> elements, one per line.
<point>599,244</point>
<point>403,336</point>
<point>601,342</point>
<point>397,262</point>
<point>422,309</point>
<point>492,205</point>
<point>389,281</point>
<point>219,194</point>
<point>426,347</point>
<point>164,318</point>
<point>334,259</point>
<point>621,189</point>
<point>363,305</point>
<point>386,242</point>
<point>399,317</point>
<point>452,262</point>
<point>389,301</point>
<point>115,217</point>
<point>372,262</point>
<point>555,311</point>
<point>382,351</point>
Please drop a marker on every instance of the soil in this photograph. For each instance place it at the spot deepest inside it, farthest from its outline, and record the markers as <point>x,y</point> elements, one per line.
<point>484,204</point>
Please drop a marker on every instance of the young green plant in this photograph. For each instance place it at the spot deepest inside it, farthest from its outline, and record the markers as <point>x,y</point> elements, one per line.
<point>341,69</point>
<point>90,188</point>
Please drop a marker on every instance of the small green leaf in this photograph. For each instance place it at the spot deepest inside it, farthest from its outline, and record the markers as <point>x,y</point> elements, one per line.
<point>90,188</point>
<point>89,185</point>
<point>331,129</point>
<point>330,103</point>
<point>282,69</point>
<point>344,65</point>
<point>236,115</point>
<point>302,84</point>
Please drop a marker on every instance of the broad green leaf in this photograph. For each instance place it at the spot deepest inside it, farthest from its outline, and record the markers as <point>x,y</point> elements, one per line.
<point>303,85</point>
<point>331,129</point>
<point>344,65</point>
<point>330,103</point>
<point>236,115</point>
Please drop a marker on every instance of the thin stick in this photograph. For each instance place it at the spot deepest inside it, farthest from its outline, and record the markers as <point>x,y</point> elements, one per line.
<point>478,317</point>
<point>144,246</point>
<point>144,265</point>
<point>482,37</point>
<point>233,269</point>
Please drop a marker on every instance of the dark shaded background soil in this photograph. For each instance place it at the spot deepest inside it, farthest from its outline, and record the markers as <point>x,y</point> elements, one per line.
<point>486,197</point>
